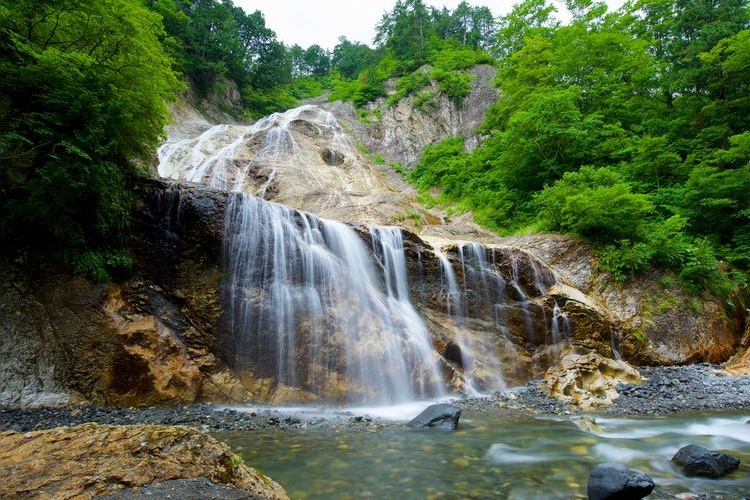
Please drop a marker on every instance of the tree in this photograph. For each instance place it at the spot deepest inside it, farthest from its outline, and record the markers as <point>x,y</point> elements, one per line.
<point>350,59</point>
<point>405,31</point>
<point>527,19</point>
<point>83,99</point>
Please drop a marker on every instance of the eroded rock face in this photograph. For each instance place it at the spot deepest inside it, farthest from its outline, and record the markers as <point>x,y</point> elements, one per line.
<point>54,338</point>
<point>91,460</point>
<point>401,132</point>
<point>151,363</point>
<point>588,380</point>
<point>651,320</point>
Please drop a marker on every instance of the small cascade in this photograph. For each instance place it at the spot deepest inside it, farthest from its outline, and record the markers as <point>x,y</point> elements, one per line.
<point>560,327</point>
<point>484,287</point>
<point>310,312</point>
<point>247,158</point>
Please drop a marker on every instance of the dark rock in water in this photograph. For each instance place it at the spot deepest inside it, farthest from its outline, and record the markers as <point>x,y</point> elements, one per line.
<point>612,481</point>
<point>440,416</point>
<point>695,460</point>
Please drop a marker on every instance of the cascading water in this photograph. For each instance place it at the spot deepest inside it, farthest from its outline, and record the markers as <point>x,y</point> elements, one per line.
<point>483,288</point>
<point>309,314</point>
<point>316,310</point>
<point>309,310</point>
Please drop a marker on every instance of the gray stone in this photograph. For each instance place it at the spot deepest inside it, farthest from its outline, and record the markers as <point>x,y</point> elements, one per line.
<point>438,416</point>
<point>694,460</point>
<point>611,481</point>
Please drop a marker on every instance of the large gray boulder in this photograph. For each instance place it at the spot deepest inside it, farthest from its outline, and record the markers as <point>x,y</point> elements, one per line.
<point>439,416</point>
<point>610,481</point>
<point>694,460</point>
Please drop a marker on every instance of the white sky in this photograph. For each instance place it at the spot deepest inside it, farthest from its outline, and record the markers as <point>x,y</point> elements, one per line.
<point>308,22</point>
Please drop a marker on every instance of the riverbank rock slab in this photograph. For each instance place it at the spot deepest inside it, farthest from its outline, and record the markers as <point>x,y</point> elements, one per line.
<point>91,460</point>
<point>588,380</point>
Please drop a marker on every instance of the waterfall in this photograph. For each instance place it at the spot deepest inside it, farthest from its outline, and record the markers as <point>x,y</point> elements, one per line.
<point>482,369</point>
<point>308,308</point>
<point>315,309</point>
<point>560,326</point>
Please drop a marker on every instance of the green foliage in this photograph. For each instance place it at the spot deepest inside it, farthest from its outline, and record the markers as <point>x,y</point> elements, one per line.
<point>103,266</point>
<point>454,84</point>
<point>627,129</point>
<point>367,87</point>
<point>83,92</point>
<point>408,84</point>
<point>260,103</point>
<point>425,101</point>
<point>595,204</point>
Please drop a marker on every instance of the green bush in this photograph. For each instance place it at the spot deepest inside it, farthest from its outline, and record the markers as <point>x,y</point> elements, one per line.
<point>595,204</point>
<point>456,85</point>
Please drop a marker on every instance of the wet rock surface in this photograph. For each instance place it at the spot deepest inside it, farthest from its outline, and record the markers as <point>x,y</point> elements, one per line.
<point>612,481</point>
<point>439,416</point>
<point>200,488</point>
<point>91,460</point>
<point>694,460</point>
<point>664,390</point>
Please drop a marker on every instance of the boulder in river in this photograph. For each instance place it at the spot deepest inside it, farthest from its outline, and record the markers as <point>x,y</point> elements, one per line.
<point>92,460</point>
<point>440,416</point>
<point>610,481</point>
<point>694,460</point>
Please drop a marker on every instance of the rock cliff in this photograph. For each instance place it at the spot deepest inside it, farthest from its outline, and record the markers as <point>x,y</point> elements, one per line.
<point>512,306</point>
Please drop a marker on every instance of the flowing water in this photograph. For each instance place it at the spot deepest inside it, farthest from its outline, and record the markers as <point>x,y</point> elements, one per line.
<point>316,310</point>
<point>309,309</point>
<point>493,456</point>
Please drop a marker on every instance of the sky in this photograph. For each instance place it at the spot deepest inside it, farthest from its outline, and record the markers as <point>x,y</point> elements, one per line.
<point>322,22</point>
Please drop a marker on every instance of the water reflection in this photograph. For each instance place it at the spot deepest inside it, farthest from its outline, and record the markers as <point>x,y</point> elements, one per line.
<point>516,457</point>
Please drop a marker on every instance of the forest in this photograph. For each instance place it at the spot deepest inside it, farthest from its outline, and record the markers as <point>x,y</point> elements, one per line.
<point>627,129</point>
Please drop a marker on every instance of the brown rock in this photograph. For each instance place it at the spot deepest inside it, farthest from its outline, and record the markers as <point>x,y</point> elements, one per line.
<point>588,380</point>
<point>152,364</point>
<point>90,460</point>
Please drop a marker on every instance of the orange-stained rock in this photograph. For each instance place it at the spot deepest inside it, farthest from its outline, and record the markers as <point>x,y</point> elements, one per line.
<point>588,380</point>
<point>90,460</point>
<point>151,364</point>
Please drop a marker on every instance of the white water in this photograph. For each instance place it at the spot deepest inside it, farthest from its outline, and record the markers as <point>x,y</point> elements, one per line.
<point>314,312</point>
<point>247,158</point>
<point>472,355</point>
<point>308,309</point>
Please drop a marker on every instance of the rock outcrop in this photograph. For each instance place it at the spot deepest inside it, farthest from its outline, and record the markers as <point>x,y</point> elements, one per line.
<point>400,133</point>
<point>93,460</point>
<point>652,320</point>
<point>588,380</point>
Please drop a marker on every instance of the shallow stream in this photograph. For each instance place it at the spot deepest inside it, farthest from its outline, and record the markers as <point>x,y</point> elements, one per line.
<point>492,456</point>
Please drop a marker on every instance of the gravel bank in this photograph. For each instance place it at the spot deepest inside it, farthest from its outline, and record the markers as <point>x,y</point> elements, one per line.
<point>665,390</point>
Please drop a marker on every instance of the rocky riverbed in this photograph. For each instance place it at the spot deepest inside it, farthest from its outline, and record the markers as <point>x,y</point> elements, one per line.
<point>665,390</point>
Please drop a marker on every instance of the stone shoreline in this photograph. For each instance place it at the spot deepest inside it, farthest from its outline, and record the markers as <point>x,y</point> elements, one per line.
<point>665,390</point>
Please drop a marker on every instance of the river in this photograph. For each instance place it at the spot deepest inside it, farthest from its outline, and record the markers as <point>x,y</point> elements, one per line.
<point>514,457</point>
